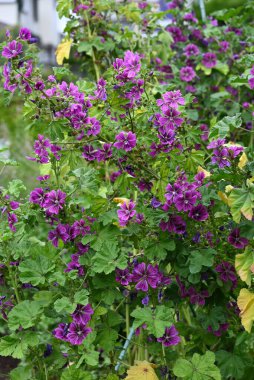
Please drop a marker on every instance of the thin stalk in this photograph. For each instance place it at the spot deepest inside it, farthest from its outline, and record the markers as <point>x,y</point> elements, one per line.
<point>96,68</point>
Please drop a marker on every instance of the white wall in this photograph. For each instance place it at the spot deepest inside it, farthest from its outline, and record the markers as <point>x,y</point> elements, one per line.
<point>9,14</point>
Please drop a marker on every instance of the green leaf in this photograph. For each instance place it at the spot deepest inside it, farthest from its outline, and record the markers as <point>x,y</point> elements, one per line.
<point>16,186</point>
<point>195,158</point>
<point>21,373</point>
<point>200,367</point>
<point>64,7</point>
<point>107,339</point>
<point>64,305</point>
<point>73,373</point>
<point>230,364</point>
<point>33,270</point>
<point>108,258</point>
<point>156,320</point>
<point>81,297</point>
<point>25,314</point>
<point>16,345</point>
<point>159,249</point>
<point>198,259</point>
<point>224,126</point>
<point>222,67</point>
<point>106,235</point>
<point>92,358</point>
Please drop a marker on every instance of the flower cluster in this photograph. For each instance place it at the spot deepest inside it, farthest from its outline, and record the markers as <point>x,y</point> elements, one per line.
<point>76,331</point>
<point>223,154</point>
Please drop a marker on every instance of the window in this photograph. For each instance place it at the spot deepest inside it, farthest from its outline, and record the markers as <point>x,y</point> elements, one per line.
<point>35,10</point>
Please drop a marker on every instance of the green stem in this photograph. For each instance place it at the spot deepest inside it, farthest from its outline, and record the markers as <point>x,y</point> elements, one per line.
<point>96,68</point>
<point>186,315</point>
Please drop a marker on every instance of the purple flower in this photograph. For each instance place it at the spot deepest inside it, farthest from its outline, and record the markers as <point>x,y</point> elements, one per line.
<point>82,314</point>
<point>251,83</point>
<point>174,224</point>
<point>61,232</point>
<point>209,60</point>
<point>170,337</point>
<point>12,49</point>
<point>77,333</point>
<point>105,153</point>
<point>25,34</point>
<point>126,212</point>
<point>39,85</point>
<point>187,74</point>
<point>93,126</point>
<point>100,92</point>
<point>186,201</point>
<point>54,201</point>
<point>37,196</point>
<point>223,327</point>
<point>199,213</point>
<point>61,331</point>
<point>191,50</point>
<point>89,153</point>
<point>123,276</point>
<point>12,219</point>
<point>14,205</point>
<point>171,99</point>
<point>198,297</point>
<point>227,272</point>
<point>79,228</point>
<point>125,141</point>
<point>224,45</point>
<point>236,240</point>
<point>170,119</point>
<point>74,265</point>
<point>145,276</point>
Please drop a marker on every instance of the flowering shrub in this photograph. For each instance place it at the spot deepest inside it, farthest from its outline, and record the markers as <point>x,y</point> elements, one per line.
<point>138,239</point>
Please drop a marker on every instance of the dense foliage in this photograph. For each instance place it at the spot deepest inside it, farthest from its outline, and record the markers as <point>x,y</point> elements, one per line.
<point>137,243</point>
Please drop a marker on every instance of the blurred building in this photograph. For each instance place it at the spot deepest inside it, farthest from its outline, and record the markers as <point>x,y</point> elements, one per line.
<point>40,16</point>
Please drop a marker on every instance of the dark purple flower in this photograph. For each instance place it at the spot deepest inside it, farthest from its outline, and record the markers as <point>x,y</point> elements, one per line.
<point>12,49</point>
<point>89,153</point>
<point>125,141</point>
<point>170,119</point>
<point>123,276</point>
<point>236,240</point>
<point>227,272</point>
<point>198,297</point>
<point>93,126</point>
<point>79,228</point>
<point>25,34</point>
<point>174,224</point>
<point>14,205</point>
<point>145,276</point>
<point>209,60</point>
<point>77,333</point>
<point>224,45</point>
<point>61,331</point>
<point>223,327</point>
<point>187,74</point>
<point>170,337</point>
<point>185,202</point>
<point>54,201</point>
<point>126,212</point>
<point>61,232</point>
<point>82,314</point>
<point>251,83</point>
<point>105,153</point>
<point>199,213</point>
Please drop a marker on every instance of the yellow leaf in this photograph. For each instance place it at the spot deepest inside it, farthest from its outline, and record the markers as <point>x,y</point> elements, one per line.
<point>242,161</point>
<point>245,302</point>
<point>142,371</point>
<point>243,265</point>
<point>121,201</point>
<point>63,51</point>
<point>206,173</point>
<point>223,197</point>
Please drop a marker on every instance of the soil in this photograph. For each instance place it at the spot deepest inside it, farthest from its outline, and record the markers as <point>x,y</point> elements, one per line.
<point>6,365</point>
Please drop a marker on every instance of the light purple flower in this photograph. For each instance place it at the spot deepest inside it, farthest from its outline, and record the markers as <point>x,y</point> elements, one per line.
<point>12,49</point>
<point>89,153</point>
<point>126,212</point>
<point>170,337</point>
<point>37,196</point>
<point>191,50</point>
<point>77,333</point>
<point>12,219</point>
<point>54,201</point>
<point>187,74</point>
<point>209,60</point>
<point>61,232</point>
<point>171,99</point>
<point>251,83</point>
<point>61,331</point>
<point>126,141</point>
<point>93,126</point>
<point>25,34</point>
<point>82,314</point>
